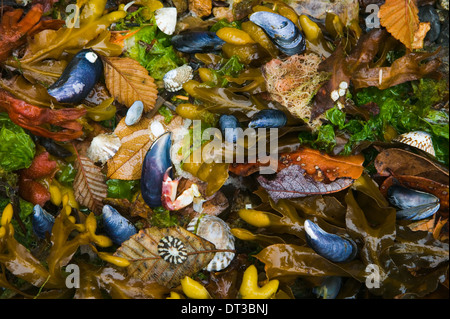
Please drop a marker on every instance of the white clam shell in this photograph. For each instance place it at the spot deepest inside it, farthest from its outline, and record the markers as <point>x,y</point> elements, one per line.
<point>174,79</point>
<point>215,230</point>
<point>134,113</point>
<point>418,139</point>
<point>166,19</point>
<point>103,147</point>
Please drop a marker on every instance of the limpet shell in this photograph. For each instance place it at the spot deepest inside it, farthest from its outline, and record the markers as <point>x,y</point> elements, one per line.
<point>134,113</point>
<point>216,231</point>
<point>418,139</point>
<point>174,79</point>
<point>166,19</point>
<point>103,147</point>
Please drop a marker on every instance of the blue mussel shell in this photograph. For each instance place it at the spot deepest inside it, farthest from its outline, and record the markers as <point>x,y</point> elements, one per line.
<point>282,31</point>
<point>267,119</point>
<point>118,228</point>
<point>156,162</point>
<point>78,78</point>
<point>42,221</point>
<point>197,42</point>
<point>329,246</point>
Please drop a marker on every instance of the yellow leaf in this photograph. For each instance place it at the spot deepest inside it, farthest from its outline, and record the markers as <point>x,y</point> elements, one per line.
<point>128,81</point>
<point>420,34</point>
<point>401,19</point>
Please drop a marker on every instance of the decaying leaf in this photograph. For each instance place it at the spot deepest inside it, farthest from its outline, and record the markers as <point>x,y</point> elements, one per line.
<point>292,182</point>
<point>406,68</point>
<point>89,184</point>
<point>400,162</point>
<point>361,68</point>
<point>147,263</point>
<point>401,19</point>
<point>128,81</point>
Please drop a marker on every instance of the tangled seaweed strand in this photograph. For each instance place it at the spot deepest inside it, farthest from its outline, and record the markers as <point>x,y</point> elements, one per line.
<point>294,82</point>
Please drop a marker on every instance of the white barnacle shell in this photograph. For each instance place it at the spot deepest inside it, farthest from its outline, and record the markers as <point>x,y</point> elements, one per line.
<point>174,79</point>
<point>166,19</point>
<point>217,231</point>
<point>335,95</point>
<point>418,139</point>
<point>103,147</point>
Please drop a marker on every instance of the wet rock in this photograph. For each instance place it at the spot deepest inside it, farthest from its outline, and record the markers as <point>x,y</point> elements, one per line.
<point>429,14</point>
<point>443,38</point>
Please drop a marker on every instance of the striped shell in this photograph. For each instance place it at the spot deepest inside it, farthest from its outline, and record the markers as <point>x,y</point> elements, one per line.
<point>174,79</point>
<point>417,139</point>
<point>166,19</point>
<point>216,231</point>
<point>103,147</point>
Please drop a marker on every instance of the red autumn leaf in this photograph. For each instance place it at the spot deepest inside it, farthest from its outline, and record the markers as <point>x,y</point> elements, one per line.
<point>13,31</point>
<point>33,192</point>
<point>315,163</point>
<point>41,166</point>
<point>32,118</point>
<point>293,182</point>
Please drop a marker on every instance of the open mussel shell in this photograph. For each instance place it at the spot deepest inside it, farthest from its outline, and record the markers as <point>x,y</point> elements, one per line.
<point>42,221</point>
<point>78,78</point>
<point>282,31</point>
<point>268,119</point>
<point>116,226</point>
<point>197,42</point>
<point>413,204</point>
<point>166,19</point>
<point>418,139</point>
<point>156,162</point>
<point>216,231</point>
<point>329,246</point>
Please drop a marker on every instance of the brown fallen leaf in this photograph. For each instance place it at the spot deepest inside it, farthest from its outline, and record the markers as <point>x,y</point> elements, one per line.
<point>89,185</point>
<point>406,68</point>
<point>126,164</point>
<point>147,264</point>
<point>128,81</point>
<point>401,19</point>
<point>395,161</point>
